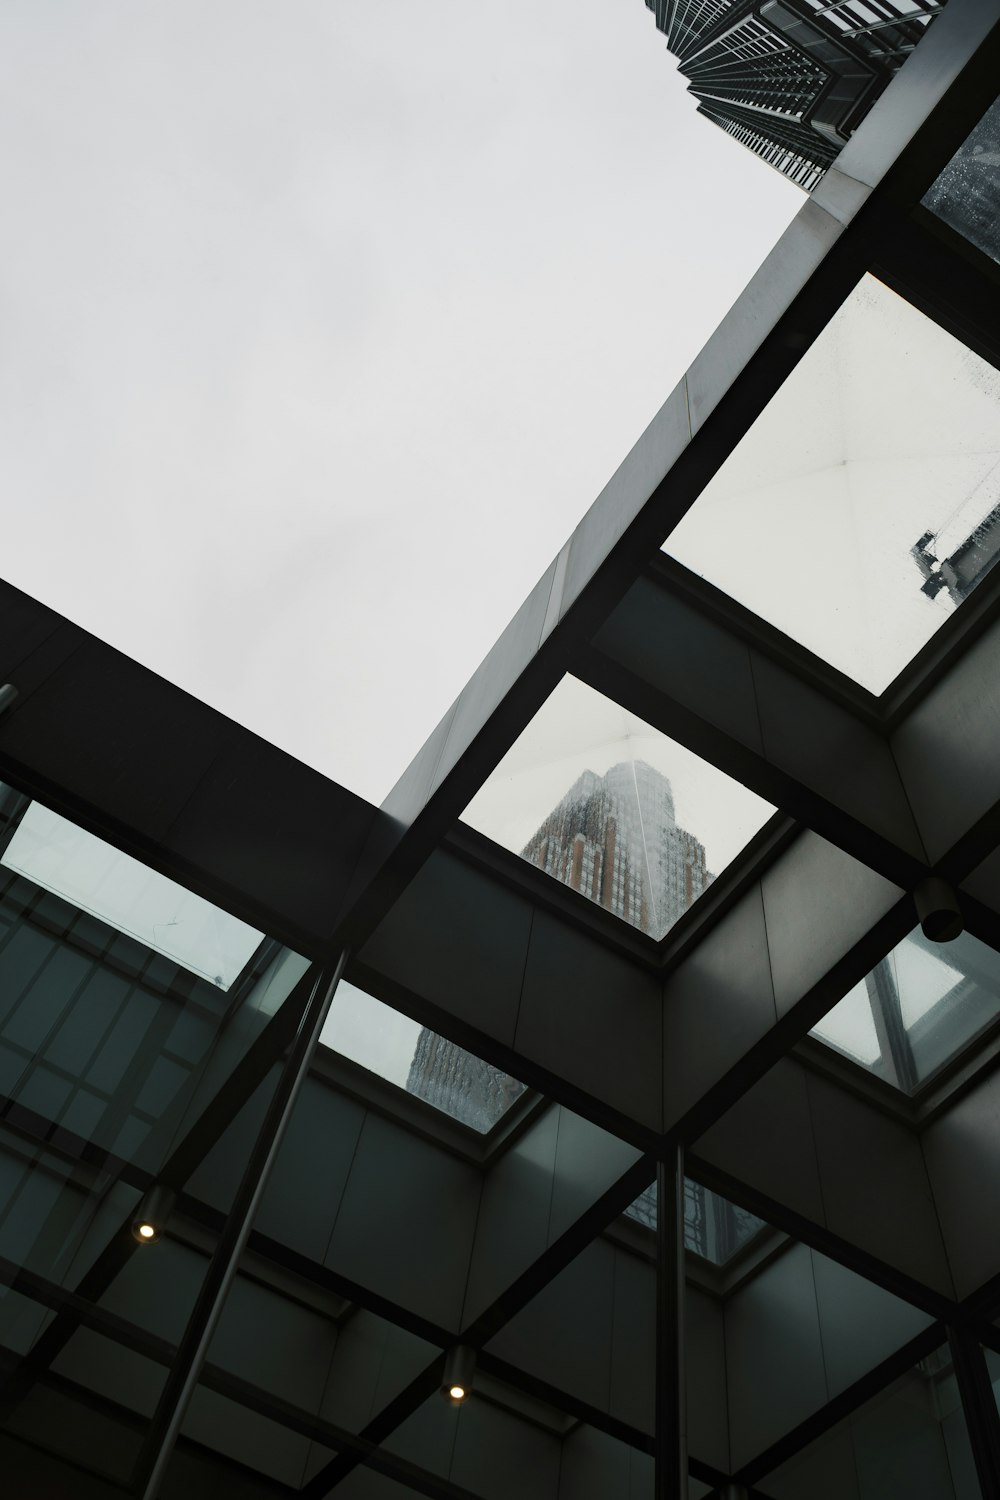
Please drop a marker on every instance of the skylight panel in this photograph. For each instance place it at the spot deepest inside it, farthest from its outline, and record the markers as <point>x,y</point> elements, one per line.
<point>919,1007</point>
<point>967,193</point>
<point>850,1028</point>
<point>416,1059</point>
<point>137,901</point>
<point>609,806</point>
<point>863,506</point>
<point>714,1229</point>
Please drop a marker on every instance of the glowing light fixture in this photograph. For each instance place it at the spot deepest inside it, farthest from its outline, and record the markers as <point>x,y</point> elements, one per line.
<point>152,1214</point>
<point>459,1366</point>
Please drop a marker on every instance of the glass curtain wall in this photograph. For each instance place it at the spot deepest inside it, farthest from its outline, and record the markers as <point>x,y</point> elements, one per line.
<point>127,1005</point>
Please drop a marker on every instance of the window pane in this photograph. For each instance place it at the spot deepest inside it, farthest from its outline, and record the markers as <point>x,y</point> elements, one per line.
<point>967,194</point>
<point>414,1058</point>
<point>850,1027</point>
<point>714,1228</point>
<point>862,506</point>
<point>117,889</point>
<point>927,1000</point>
<point>614,809</point>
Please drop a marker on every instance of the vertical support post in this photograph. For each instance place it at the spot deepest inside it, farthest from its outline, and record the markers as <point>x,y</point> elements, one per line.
<point>979,1408</point>
<point>733,1491</point>
<point>671,1387</point>
<point>183,1375</point>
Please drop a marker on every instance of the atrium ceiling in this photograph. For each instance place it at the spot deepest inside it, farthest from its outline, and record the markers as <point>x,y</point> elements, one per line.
<point>686,1226</point>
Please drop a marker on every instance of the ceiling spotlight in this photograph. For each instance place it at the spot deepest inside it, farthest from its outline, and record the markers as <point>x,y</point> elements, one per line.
<point>938,910</point>
<point>459,1366</point>
<point>152,1214</point>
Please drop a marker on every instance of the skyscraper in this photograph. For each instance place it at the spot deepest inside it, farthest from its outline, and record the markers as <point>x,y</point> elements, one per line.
<point>615,839</point>
<point>463,1085</point>
<point>791,79</point>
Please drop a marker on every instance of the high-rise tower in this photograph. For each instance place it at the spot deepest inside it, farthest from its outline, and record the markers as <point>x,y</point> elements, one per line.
<point>615,839</point>
<point>791,79</point>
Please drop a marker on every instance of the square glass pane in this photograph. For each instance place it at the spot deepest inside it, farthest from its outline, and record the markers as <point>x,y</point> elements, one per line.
<point>917,1009</point>
<point>416,1059</point>
<point>714,1228</point>
<point>967,193</point>
<point>863,505</point>
<point>614,809</point>
<point>97,878</point>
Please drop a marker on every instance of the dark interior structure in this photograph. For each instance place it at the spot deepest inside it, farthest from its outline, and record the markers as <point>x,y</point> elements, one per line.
<point>640,1087</point>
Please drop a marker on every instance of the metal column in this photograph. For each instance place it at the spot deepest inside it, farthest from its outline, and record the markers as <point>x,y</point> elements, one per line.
<point>671,1388</point>
<point>979,1407</point>
<point>182,1379</point>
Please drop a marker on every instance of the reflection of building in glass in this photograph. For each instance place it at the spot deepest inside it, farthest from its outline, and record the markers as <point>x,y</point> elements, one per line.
<point>713,1227</point>
<point>615,839</point>
<point>790,79</point>
<point>461,1084</point>
<point>967,193</point>
<point>967,565</point>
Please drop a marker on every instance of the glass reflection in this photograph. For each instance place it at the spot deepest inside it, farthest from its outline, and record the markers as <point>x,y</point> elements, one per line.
<point>113,1056</point>
<point>917,1009</point>
<point>967,193</point>
<point>714,1228</point>
<point>607,805</point>
<point>416,1059</point>
<point>863,506</point>
<point>97,878</point>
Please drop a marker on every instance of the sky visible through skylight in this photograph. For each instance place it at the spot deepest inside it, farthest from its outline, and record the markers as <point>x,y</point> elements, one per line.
<point>887,432</point>
<point>619,851</point>
<point>942,994</point>
<point>325,323</point>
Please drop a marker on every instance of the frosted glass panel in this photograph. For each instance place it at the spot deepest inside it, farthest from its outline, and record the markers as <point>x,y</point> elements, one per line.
<point>863,506</point>
<point>135,900</point>
<point>611,807</point>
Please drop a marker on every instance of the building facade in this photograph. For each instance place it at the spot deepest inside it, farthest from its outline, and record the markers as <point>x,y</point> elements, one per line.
<point>790,79</point>
<point>615,839</point>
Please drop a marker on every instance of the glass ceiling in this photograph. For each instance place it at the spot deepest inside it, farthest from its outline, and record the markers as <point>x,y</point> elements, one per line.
<point>967,193</point>
<point>917,1009</point>
<point>614,809</point>
<point>416,1059</point>
<point>863,506</point>
<point>128,896</point>
<point>714,1228</point>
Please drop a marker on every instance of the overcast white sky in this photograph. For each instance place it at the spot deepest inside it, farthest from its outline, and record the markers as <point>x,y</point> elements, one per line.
<point>887,428</point>
<point>578,730</point>
<point>323,322</point>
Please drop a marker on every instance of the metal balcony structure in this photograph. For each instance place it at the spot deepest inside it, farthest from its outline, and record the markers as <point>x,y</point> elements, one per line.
<point>791,79</point>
